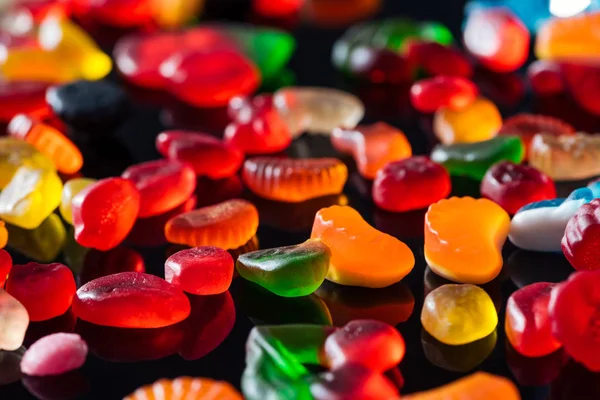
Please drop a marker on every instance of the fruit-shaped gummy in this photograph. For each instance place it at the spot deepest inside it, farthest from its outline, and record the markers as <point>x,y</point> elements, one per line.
<point>227,225</point>
<point>479,385</point>
<point>372,146</point>
<point>477,122</point>
<point>360,254</point>
<point>464,238</point>
<point>104,213</point>
<point>186,388</point>
<point>454,93</point>
<point>580,242</point>
<point>572,38</point>
<point>436,59</point>
<point>290,271</point>
<point>14,319</point>
<point>131,300</point>
<point>70,190</point>
<point>545,78</point>
<point>54,354</point>
<point>22,97</point>
<point>458,314</point>
<point>294,180</point>
<point>46,290</point>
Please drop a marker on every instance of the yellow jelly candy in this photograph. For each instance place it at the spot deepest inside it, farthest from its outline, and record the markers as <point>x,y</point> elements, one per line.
<point>30,197</point>
<point>459,314</point>
<point>69,191</point>
<point>15,153</point>
<point>478,122</point>
<point>42,244</point>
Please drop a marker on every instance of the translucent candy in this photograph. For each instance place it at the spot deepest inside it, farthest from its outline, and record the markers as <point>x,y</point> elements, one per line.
<point>580,241</point>
<point>42,244</point>
<point>545,78</point>
<point>437,59</point>
<point>5,266</point>
<point>55,354</point>
<point>189,388</point>
<point>16,153</point>
<point>14,321</point>
<point>429,95</point>
<point>22,97</point>
<point>572,38</point>
<point>479,385</point>
<point>70,190</point>
<point>478,122</point>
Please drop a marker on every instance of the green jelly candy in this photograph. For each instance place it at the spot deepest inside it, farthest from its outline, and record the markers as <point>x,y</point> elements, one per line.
<point>290,271</point>
<point>474,159</point>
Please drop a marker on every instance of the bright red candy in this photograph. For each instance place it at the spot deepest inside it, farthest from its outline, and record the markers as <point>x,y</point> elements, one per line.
<point>512,186</point>
<point>46,290</point>
<point>580,244</point>
<point>131,300</point>
<point>583,82</point>
<point>279,8</point>
<point>437,59</point>
<point>104,213</point>
<point>497,38</point>
<point>429,95</point>
<point>545,77</point>
<point>206,154</point>
<point>97,264</point>
<point>23,98</point>
<point>163,185</point>
<point>410,184</point>
<point>201,270</point>
<point>527,324</point>
<point>5,266</point>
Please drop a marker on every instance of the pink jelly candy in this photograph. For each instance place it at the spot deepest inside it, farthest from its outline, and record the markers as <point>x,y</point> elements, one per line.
<point>54,355</point>
<point>429,95</point>
<point>202,270</point>
<point>14,321</point>
<point>582,235</point>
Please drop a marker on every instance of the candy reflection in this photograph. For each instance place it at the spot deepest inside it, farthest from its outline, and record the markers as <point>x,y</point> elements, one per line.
<point>250,245</point>
<point>10,368</point>
<point>534,371</point>
<point>69,386</point>
<point>98,263</point>
<point>209,191</point>
<point>74,253</point>
<point>406,225</point>
<point>43,243</point>
<point>575,382</point>
<point>37,330</point>
<point>527,267</point>
<point>332,13</point>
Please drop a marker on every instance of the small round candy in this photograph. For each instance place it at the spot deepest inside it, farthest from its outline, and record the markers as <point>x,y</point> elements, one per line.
<point>186,388</point>
<point>429,95</point>
<point>477,122</point>
<point>70,190</point>
<point>202,270</point>
<point>545,77</point>
<point>580,242</point>
<point>46,290</point>
<point>437,59</point>
<point>54,354</point>
<point>410,184</point>
<point>512,186</point>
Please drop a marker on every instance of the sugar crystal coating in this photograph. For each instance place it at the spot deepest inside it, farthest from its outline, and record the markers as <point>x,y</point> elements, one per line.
<point>55,354</point>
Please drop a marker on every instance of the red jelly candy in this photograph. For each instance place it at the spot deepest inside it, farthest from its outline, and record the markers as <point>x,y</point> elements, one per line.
<point>206,154</point>
<point>429,95</point>
<point>241,108</point>
<point>512,186</point>
<point>163,185</point>
<point>527,324</point>
<point>410,184</point>
<point>23,98</point>
<point>131,300</point>
<point>545,77</point>
<point>583,82</point>
<point>46,290</point>
<point>5,265</point>
<point>380,65</point>
<point>574,312</point>
<point>97,264</point>
<point>280,8</point>
<point>582,235</point>
<point>104,213</point>
<point>437,59</point>
<point>121,13</point>
<point>497,38</point>
<point>201,270</point>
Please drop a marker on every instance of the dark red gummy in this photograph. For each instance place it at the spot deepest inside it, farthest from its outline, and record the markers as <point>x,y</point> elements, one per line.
<point>583,83</point>
<point>545,77</point>
<point>23,97</point>
<point>380,65</point>
<point>353,382</point>
<point>97,264</point>
<point>429,95</point>
<point>437,59</point>
<point>581,242</point>
<point>5,266</point>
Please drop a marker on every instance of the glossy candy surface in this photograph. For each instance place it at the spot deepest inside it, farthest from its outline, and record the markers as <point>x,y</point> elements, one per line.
<point>294,180</point>
<point>477,122</point>
<point>360,254</point>
<point>70,190</point>
<point>580,242</point>
<point>54,354</point>
<point>186,388</point>
<point>5,265</point>
<point>22,97</point>
<point>16,153</point>
<point>455,93</point>
<point>477,386</point>
<point>571,38</point>
<point>545,78</point>
<point>14,321</point>
<point>438,59</point>
<point>43,243</point>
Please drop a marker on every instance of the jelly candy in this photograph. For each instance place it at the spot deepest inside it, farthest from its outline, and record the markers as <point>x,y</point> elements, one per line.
<point>350,381</point>
<point>410,184</point>
<point>378,65</point>
<point>66,156</point>
<point>360,254</point>
<point>14,319</point>
<point>583,84</point>
<point>458,237</point>
<point>16,153</point>
<point>163,185</point>
<point>513,186</point>
<point>206,154</point>
<point>566,157</point>
<point>188,388</point>
<point>497,38</point>
<point>477,122</point>
<point>290,271</point>
<point>527,325</point>
<point>227,225</point>
<point>202,270</point>
<point>97,264</point>
<point>436,59</point>
<point>474,159</point>
<point>454,93</point>
<point>126,13</point>
<point>317,110</point>
<point>545,78</point>
<point>55,354</point>
<point>569,38</point>
<point>30,197</point>
<point>458,314</point>
<point>479,385</point>
<point>22,97</point>
<point>294,180</point>
<point>579,241</point>
<point>131,300</point>
<point>70,190</point>
<point>573,306</point>
<point>46,290</point>
<point>5,266</point>
<point>372,146</point>
<point>43,243</point>
<point>175,13</point>
<point>279,9</point>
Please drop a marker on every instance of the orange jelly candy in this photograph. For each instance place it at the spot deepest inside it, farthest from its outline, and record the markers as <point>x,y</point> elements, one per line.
<point>3,235</point>
<point>478,122</point>
<point>464,238</point>
<point>574,38</point>
<point>478,386</point>
<point>227,225</point>
<point>372,146</point>
<point>186,388</point>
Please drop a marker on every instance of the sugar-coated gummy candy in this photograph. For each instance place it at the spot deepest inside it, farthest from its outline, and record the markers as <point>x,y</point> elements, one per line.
<point>201,270</point>
<point>455,93</point>
<point>545,77</point>
<point>16,153</point>
<point>5,265</point>
<point>458,314</point>
<point>579,244</point>
<point>436,59</point>
<point>131,300</point>
<point>70,189</point>
<point>46,290</point>
<point>22,97</point>
<point>294,180</point>
<point>477,386</point>
<point>104,213</point>
<point>528,326</point>
<point>571,38</point>
<point>42,244</point>
<point>360,254</point>
<point>186,388</point>
<point>353,381</point>
<point>464,238</point>
<point>372,146</point>
<point>14,321</point>
<point>477,122</point>
<point>410,184</point>
<point>289,271</point>
<point>55,354</point>
<point>227,225</point>
<point>513,186</point>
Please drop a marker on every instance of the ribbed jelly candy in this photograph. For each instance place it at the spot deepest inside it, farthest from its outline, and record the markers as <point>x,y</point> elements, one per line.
<point>461,233</point>
<point>410,184</point>
<point>131,300</point>
<point>360,254</point>
<point>572,38</point>
<point>54,354</point>
<point>201,270</point>
<point>22,97</point>
<point>579,244</point>
<point>479,385</point>
<point>438,59</point>
<point>104,213</point>
<point>70,190</point>
<point>290,271</point>
<point>46,290</point>
<point>14,320</point>
<point>227,225</point>
<point>527,325</point>
<point>372,146</point>
<point>477,122</point>
<point>459,314</point>
<point>452,92</point>
<point>294,180</point>
<point>186,388</point>
<point>545,78</point>
<point>16,153</point>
